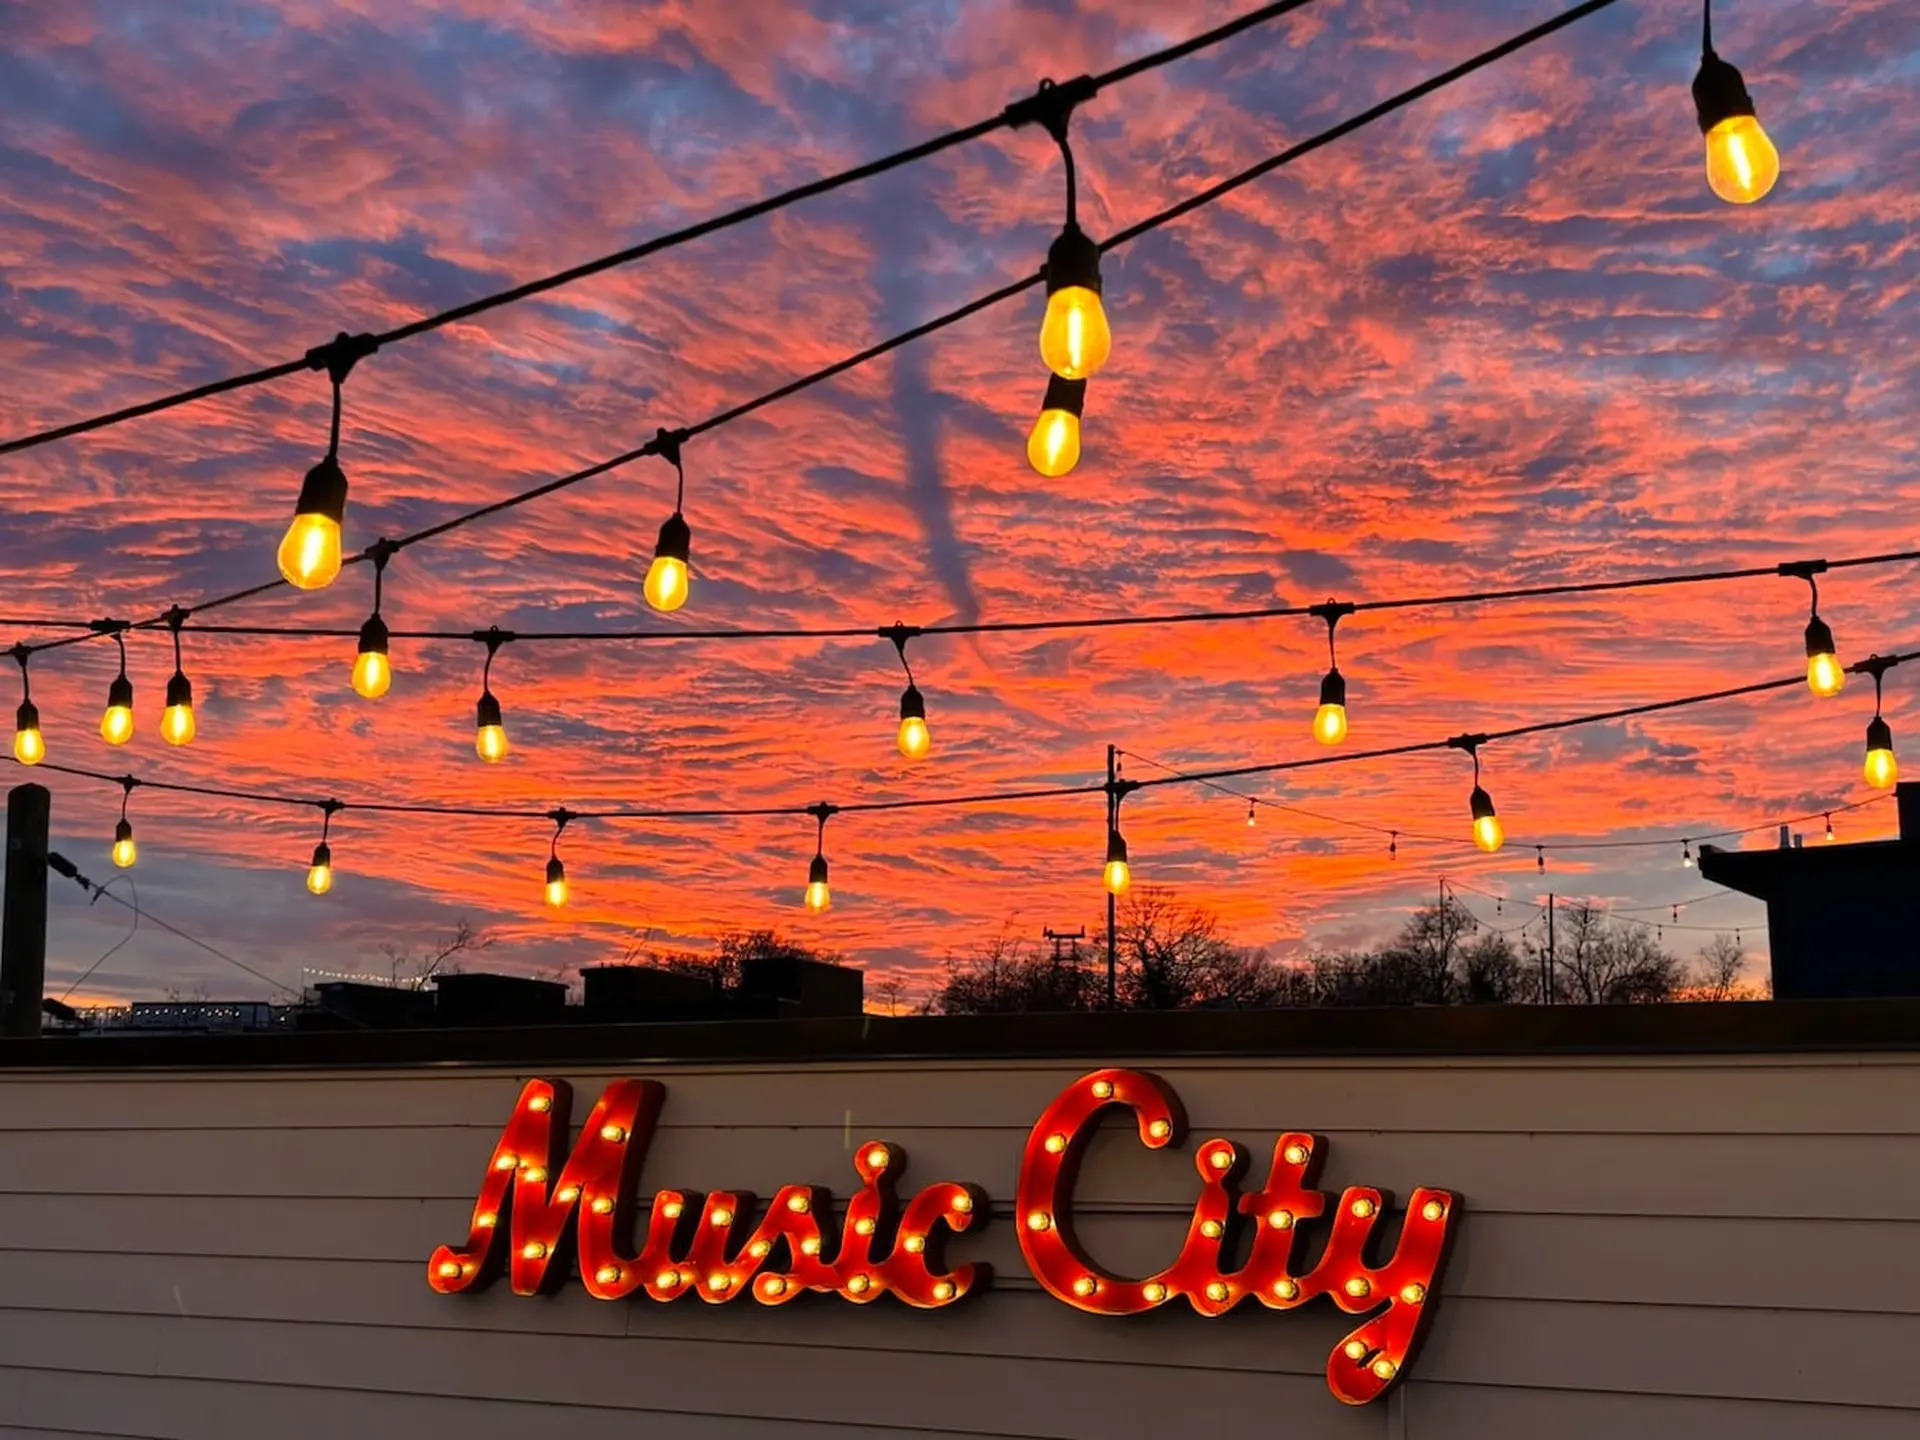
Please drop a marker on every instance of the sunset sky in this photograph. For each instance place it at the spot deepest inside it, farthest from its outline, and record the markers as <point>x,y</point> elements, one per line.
<point>1506,338</point>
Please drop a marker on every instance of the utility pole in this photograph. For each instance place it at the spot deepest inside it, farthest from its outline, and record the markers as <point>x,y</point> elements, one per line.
<point>23,912</point>
<point>1551,957</point>
<point>1065,937</point>
<point>1113,944</point>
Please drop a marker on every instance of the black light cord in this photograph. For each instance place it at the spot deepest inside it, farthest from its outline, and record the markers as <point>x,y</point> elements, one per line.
<point>1018,113</point>
<point>1027,111</point>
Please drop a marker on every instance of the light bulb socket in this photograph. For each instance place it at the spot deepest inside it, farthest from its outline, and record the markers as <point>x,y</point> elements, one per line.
<point>1719,93</point>
<point>373,636</point>
<point>324,491</point>
<point>123,832</point>
<point>1073,259</point>
<point>1333,688</point>
<point>488,711</point>
<point>913,705</point>
<point>1879,734</point>
<point>1116,847</point>
<point>817,871</point>
<point>27,717</point>
<point>556,872</point>
<point>1819,638</point>
<point>120,693</point>
<point>676,539</point>
<point>1480,803</point>
<point>179,690</point>
<point>322,856</point>
<point>1067,395</point>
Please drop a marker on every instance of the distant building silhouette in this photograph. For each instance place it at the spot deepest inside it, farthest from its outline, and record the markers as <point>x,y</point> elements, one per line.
<point>1842,919</point>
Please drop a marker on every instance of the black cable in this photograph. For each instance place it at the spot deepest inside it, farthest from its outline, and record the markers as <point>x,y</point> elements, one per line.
<point>1018,113</point>
<point>972,307</point>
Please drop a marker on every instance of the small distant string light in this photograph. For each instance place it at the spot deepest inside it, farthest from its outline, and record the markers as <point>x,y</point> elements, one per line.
<point>1488,833</point>
<point>1330,720</point>
<point>1830,835</point>
<point>1686,854</point>
<point>310,551</point>
<point>1250,814</point>
<point>116,721</point>
<point>819,896</point>
<point>125,852</point>
<point>1882,769</point>
<point>667,581</point>
<point>372,669</point>
<point>1742,164</point>
<point>29,745</point>
<point>914,739</point>
<point>177,725</point>
<point>320,872</point>
<point>556,870</point>
<point>490,731</point>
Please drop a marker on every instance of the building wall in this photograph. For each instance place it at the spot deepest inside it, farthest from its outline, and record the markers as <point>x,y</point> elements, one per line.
<point>1651,1247</point>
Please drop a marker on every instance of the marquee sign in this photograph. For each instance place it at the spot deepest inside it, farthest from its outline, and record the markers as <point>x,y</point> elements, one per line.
<point>539,1200</point>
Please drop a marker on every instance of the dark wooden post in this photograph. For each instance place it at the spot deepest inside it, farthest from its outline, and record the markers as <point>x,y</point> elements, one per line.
<point>23,912</point>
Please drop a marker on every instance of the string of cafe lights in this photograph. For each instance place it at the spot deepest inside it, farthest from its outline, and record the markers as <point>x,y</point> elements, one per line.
<point>1487,831</point>
<point>1622,914</point>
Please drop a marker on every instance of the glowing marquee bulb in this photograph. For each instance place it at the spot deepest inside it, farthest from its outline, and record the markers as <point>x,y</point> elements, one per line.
<point>1053,445</point>
<point>310,552</point>
<point>1075,340</point>
<point>116,722</point>
<point>1118,875</point>
<point>1882,768</point>
<point>666,584</point>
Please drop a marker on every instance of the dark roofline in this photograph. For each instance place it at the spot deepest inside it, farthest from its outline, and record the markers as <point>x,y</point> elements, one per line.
<point>1491,1030</point>
<point>1759,873</point>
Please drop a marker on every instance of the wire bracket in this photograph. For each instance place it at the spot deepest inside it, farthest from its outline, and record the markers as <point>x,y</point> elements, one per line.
<point>1051,105</point>
<point>339,355</point>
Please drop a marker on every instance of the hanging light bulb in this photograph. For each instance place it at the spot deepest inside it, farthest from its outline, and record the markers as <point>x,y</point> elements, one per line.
<point>556,869</point>
<point>372,671</point>
<point>490,733</point>
<point>1830,834</point>
<point>310,551</point>
<point>1053,445</point>
<point>125,852</point>
<point>1250,814</point>
<point>1686,854</point>
<point>1825,675</point>
<point>819,896</point>
<point>29,745</point>
<point>915,740</point>
<point>1075,340</point>
<point>176,721</point>
<point>667,583</point>
<point>1882,768</point>
<point>1488,833</point>
<point>116,721</point>
<point>1742,163</point>
<point>1117,875</point>
<point>320,872</point>
<point>1330,720</point>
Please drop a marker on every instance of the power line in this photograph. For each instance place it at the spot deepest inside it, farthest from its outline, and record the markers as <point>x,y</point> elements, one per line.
<point>1021,112</point>
<point>660,444</point>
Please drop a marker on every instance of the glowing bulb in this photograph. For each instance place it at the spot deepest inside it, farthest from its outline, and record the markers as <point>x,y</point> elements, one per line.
<point>1074,337</point>
<point>819,897</point>
<point>612,1134</point>
<point>1295,1154</point>
<point>863,1226</point>
<point>799,1204</point>
<point>372,671</point>
<point>810,1245</point>
<point>1216,1291</point>
<point>125,852</point>
<point>1383,1368</point>
<point>1742,163</point>
<point>666,585</point>
<point>877,1157</point>
<point>1358,1288</point>
<point>485,1220</point>
<point>176,721</point>
<point>556,883</point>
<point>1414,1293</point>
<point>310,553</point>
<point>1883,768</point>
<point>963,1204</point>
<point>1280,1219</point>
<point>774,1285</point>
<point>1085,1286</point>
<point>1153,1292</point>
<point>607,1274</point>
<point>915,739</point>
<point>601,1205</point>
<point>1103,1089</point>
<point>943,1291</point>
<point>1355,1349</point>
<point>1053,445</point>
<point>540,1104</point>
<point>1038,1222</point>
<point>116,722</point>
<point>722,1216</point>
<point>1825,675</point>
<point>536,1174</point>
<point>490,731</point>
<point>1488,833</point>
<point>449,1270</point>
<point>1286,1289</point>
<point>1056,1143</point>
<point>1363,1207</point>
<point>567,1194</point>
<point>29,745</point>
<point>1330,720</point>
<point>1221,1158</point>
<point>1432,1210</point>
<point>1159,1130</point>
<point>1212,1229</point>
<point>667,1280</point>
<point>1117,875</point>
<point>320,873</point>
<point>859,1284</point>
<point>533,1250</point>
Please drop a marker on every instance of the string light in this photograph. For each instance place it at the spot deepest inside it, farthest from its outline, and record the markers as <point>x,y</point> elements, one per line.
<point>1053,445</point>
<point>667,580</point>
<point>1117,875</point>
<point>116,721</point>
<point>1488,833</point>
<point>125,852</point>
<point>1825,674</point>
<point>490,732</point>
<point>320,872</point>
<point>1882,769</point>
<point>177,725</point>
<point>914,740</point>
<point>372,669</point>
<point>1742,163</point>
<point>819,896</point>
<point>1686,854</point>
<point>1330,720</point>
<point>1830,834</point>
<point>1249,814</point>
<point>556,871</point>
<point>29,745</point>
<point>1075,339</point>
<point>310,551</point>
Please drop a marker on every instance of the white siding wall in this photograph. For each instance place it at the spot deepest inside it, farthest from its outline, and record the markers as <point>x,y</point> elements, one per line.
<point>1651,1248</point>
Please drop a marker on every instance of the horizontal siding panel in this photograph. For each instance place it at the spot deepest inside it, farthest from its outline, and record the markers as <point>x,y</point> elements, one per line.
<point>1628,1096</point>
<point>1035,1397</point>
<point>57,1402</point>
<point>1848,1176</point>
<point>1477,1412</point>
